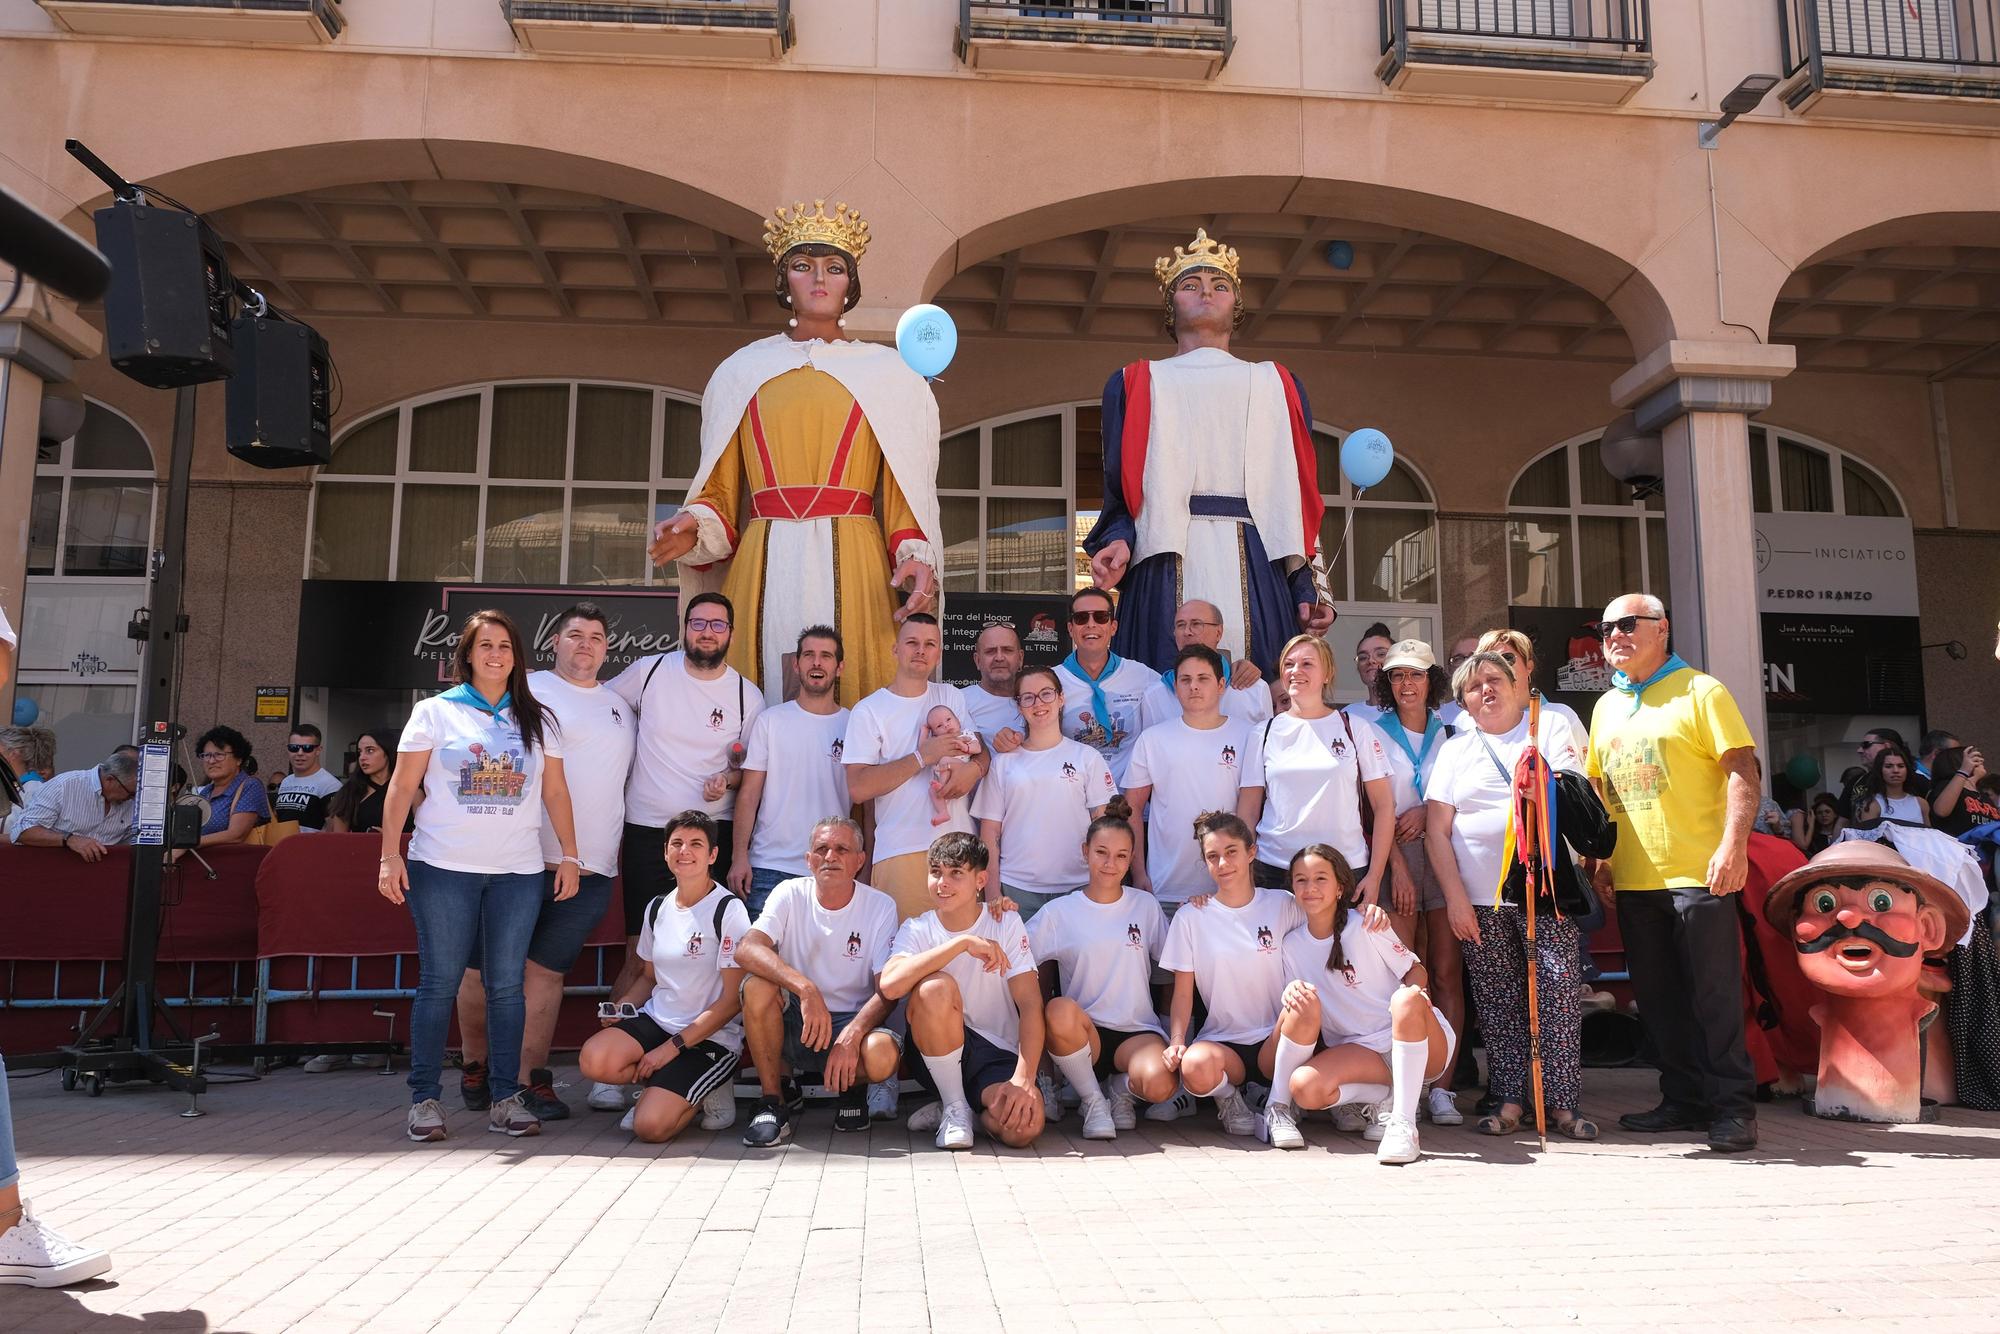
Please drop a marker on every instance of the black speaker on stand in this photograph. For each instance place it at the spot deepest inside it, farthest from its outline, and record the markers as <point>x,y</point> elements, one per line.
<point>278,397</point>
<point>167,317</point>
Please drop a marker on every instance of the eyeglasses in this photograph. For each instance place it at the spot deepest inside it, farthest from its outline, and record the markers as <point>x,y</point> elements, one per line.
<point>1624,625</point>
<point>122,786</point>
<point>698,624</point>
<point>1091,618</point>
<point>209,756</point>
<point>1457,658</point>
<point>1508,654</point>
<point>1195,625</point>
<point>306,749</point>
<point>1046,695</point>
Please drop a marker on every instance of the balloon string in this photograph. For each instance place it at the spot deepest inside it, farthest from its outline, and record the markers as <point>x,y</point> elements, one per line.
<point>1346,529</point>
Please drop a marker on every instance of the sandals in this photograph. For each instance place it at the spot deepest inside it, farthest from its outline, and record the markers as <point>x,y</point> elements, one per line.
<point>1498,1124</point>
<point>1576,1127</point>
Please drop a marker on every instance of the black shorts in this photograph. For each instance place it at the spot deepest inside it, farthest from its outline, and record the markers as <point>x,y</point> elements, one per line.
<point>564,926</point>
<point>690,1076</point>
<point>983,1064</point>
<point>642,862</point>
<point>1109,1040</point>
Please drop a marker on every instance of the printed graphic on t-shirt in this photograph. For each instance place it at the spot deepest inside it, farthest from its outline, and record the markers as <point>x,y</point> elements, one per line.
<point>1091,733</point>
<point>715,720</point>
<point>694,945</point>
<point>1134,937</point>
<point>854,944</point>
<point>838,749</point>
<point>1267,941</point>
<point>1228,757</point>
<point>1634,773</point>
<point>490,782</point>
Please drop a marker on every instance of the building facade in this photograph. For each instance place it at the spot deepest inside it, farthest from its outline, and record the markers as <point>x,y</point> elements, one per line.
<point>530,231</point>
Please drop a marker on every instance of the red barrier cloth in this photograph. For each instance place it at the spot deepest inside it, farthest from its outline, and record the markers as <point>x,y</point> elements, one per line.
<point>56,906</point>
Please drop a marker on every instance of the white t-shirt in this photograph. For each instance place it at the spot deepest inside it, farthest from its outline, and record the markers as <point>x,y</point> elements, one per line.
<point>597,726</point>
<point>989,1006</point>
<point>688,960</point>
<point>887,726</point>
<point>482,810</point>
<point>1043,800</point>
<point>1353,1003</point>
<point>1163,705</point>
<point>1467,780</point>
<point>304,799</point>
<point>1578,731</point>
<point>1312,785</point>
<point>992,713</point>
<point>1124,692</point>
<point>686,727</point>
<point>1403,773</point>
<point>1363,711</point>
<point>1236,957</point>
<point>1105,954</point>
<point>839,952</point>
<point>807,784</point>
<point>1190,771</point>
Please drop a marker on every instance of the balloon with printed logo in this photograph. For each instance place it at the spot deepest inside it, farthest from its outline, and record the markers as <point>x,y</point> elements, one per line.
<point>1340,254</point>
<point>26,711</point>
<point>927,338</point>
<point>1803,771</point>
<point>1366,457</point>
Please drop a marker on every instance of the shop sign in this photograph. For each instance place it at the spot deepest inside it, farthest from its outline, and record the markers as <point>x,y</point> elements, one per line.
<point>1842,664</point>
<point>1833,564</point>
<point>1038,619</point>
<point>76,628</point>
<point>274,704</point>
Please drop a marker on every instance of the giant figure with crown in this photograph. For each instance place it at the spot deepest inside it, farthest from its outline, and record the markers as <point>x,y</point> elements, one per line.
<point>813,446</point>
<point>1211,483</point>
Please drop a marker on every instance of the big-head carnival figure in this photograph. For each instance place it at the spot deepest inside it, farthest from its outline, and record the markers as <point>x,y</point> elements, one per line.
<point>1211,485</point>
<point>812,448</point>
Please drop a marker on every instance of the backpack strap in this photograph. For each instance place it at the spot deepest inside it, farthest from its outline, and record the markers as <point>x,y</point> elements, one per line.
<point>653,913</point>
<point>639,704</point>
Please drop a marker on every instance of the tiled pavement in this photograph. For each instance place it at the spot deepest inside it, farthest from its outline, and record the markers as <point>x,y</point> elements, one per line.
<point>296,1204</point>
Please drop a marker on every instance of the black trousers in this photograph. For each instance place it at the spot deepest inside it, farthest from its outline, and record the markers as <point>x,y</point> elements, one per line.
<point>1684,948</point>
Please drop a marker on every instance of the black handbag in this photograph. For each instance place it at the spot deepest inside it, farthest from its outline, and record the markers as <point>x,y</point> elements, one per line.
<point>1586,828</point>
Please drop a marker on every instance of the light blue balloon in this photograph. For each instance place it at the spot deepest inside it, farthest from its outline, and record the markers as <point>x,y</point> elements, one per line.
<point>927,338</point>
<point>25,711</point>
<point>1340,254</point>
<point>1366,457</point>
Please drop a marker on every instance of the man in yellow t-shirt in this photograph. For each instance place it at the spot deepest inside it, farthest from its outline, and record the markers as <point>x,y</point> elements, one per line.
<point>1675,763</point>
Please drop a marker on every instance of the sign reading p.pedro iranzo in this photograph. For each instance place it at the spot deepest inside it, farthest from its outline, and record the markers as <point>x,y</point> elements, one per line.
<point>357,634</point>
<point>1836,565</point>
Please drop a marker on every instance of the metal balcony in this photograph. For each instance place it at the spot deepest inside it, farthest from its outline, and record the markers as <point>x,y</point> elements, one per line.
<point>1145,39</point>
<point>298,22</point>
<point>1590,51</point>
<point>702,29</point>
<point>1935,61</point>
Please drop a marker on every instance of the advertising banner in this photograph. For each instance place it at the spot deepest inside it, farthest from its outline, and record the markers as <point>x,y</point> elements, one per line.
<point>1834,564</point>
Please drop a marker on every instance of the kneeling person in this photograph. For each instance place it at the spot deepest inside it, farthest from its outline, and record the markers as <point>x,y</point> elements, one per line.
<point>975,1004</point>
<point>685,1043</point>
<point>814,961</point>
<point>1354,1014</point>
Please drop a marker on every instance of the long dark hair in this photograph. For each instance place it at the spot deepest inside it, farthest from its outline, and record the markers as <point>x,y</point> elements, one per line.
<point>344,803</point>
<point>1343,876</point>
<point>1876,784</point>
<point>528,711</point>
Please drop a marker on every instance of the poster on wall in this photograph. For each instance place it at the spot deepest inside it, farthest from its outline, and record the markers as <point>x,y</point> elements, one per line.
<point>1569,660</point>
<point>1037,618</point>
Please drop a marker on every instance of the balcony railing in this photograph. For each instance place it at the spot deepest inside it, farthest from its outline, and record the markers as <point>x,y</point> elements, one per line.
<point>295,21</point>
<point>725,29</point>
<point>1156,38</point>
<point>1569,50</point>
<point>1878,58</point>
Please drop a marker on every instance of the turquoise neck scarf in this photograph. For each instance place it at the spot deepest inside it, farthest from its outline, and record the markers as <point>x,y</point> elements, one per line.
<point>1100,707</point>
<point>465,694</point>
<point>1620,681</point>
<point>1433,729</point>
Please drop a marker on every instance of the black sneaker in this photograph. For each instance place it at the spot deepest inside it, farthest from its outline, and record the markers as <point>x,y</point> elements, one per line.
<point>850,1110</point>
<point>540,1096</point>
<point>770,1124</point>
<point>1732,1134</point>
<point>472,1087</point>
<point>1668,1116</point>
<point>794,1095</point>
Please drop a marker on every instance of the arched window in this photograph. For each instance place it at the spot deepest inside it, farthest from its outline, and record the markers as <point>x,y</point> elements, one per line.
<point>1386,568</point>
<point>1006,502</point>
<point>1575,535</point>
<point>92,511</point>
<point>1813,478</point>
<point>540,482</point>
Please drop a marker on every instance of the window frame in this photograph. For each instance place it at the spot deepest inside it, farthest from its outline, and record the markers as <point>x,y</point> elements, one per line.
<point>1764,444</point>
<point>65,469</point>
<point>987,490</point>
<point>1636,510</point>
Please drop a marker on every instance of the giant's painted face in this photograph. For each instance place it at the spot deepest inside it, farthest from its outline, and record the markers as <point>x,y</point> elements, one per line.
<point>1865,940</point>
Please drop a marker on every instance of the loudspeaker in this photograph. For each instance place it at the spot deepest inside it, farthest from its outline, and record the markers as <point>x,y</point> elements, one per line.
<point>166,313</point>
<point>278,402</point>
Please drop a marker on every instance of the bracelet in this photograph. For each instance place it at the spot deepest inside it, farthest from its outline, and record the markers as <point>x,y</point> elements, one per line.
<point>392,857</point>
<point>577,861</point>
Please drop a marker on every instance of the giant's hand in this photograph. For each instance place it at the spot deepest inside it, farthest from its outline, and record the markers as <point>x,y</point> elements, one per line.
<point>1107,567</point>
<point>1316,618</point>
<point>921,580</point>
<point>672,539</point>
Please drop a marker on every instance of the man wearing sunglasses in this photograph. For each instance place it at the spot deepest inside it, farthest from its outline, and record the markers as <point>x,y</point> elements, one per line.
<point>303,794</point>
<point>1677,768</point>
<point>88,811</point>
<point>1103,693</point>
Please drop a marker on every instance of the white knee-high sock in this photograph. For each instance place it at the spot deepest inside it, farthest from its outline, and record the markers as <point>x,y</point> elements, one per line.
<point>1406,1068</point>
<point>1370,1093</point>
<point>1222,1092</point>
<point>948,1073</point>
<point>1286,1060</point>
<point>1076,1068</point>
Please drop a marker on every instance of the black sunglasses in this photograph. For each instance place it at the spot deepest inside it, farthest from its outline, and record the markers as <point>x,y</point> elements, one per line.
<point>1624,625</point>
<point>1090,617</point>
<point>306,749</point>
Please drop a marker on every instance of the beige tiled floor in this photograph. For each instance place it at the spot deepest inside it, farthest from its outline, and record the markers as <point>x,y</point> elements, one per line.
<point>296,1204</point>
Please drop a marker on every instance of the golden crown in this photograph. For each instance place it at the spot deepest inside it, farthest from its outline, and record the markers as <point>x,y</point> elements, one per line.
<point>844,231</point>
<point>1202,253</point>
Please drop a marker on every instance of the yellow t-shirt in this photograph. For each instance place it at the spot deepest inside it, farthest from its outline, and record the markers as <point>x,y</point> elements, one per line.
<point>1663,778</point>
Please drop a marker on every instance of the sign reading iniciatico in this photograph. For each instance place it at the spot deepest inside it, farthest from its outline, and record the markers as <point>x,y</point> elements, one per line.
<point>1836,565</point>
<point>358,634</point>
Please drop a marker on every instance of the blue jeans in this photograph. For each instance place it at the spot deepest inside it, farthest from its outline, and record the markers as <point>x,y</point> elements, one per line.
<point>762,881</point>
<point>465,917</point>
<point>10,1170</point>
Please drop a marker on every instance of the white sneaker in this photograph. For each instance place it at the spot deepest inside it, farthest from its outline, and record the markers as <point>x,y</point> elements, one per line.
<point>368,1062</point>
<point>1280,1129</point>
<point>1097,1122</point>
<point>1399,1140</point>
<point>882,1099</point>
<point>1443,1108</point>
<point>1377,1114</point>
<point>606,1097</point>
<point>1351,1118</point>
<point>1173,1109</point>
<point>35,1255</point>
<point>426,1125</point>
<point>955,1127</point>
<point>1052,1108</point>
<point>629,1121</point>
<point>1118,1093</point>
<point>1235,1115</point>
<point>926,1117</point>
<point>510,1116</point>
<point>319,1065</point>
<point>718,1109</point>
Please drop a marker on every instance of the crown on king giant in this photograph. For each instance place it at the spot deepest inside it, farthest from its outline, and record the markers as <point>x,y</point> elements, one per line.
<point>844,231</point>
<point>1202,253</point>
